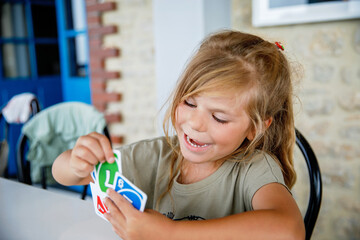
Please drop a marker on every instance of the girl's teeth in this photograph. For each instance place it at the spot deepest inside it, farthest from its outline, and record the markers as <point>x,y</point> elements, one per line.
<point>194,144</point>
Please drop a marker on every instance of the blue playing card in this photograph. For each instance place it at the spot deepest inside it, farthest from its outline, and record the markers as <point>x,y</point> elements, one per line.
<point>129,191</point>
<point>93,175</point>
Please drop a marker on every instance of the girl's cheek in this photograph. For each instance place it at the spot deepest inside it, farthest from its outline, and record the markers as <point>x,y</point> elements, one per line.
<point>179,112</point>
<point>176,114</point>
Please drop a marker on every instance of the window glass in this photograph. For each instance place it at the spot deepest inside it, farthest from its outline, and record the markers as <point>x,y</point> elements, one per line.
<point>9,60</point>
<point>15,59</point>
<point>75,12</point>
<point>47,56</point>
<point>78,56</point>
<point>12,20</point>
<point>44,21</point>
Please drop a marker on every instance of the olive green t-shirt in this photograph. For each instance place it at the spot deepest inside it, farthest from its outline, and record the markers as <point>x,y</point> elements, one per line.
<point>227,191</point>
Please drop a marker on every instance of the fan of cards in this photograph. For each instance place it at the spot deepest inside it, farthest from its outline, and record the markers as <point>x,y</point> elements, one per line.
<point>106,175</point>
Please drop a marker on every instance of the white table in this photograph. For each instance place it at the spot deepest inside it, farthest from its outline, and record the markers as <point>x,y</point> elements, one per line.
<point>28,212</point>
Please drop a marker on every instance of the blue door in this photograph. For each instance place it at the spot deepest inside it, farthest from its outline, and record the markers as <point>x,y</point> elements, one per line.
<point>43,50</point>
<point>29,57</point>
<point>29,51</point>
<point>74,54</point>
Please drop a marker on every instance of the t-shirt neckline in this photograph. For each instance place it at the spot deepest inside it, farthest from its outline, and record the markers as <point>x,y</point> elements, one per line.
<point>205,183</point>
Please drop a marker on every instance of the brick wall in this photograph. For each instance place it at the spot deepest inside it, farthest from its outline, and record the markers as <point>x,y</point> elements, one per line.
<point>123,67</point>
<point>98,54</point>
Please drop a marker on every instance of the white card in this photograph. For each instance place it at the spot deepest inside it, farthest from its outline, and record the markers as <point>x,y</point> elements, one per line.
<point>98,201</point>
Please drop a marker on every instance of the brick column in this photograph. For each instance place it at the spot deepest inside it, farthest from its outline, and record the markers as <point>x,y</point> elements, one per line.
<point>99,75</point>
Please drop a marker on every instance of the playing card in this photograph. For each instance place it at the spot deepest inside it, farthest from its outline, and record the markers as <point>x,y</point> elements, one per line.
<point>103,166</point>
<point>117,155</point>
<point>132,193</point>
<point>106,175</point>
<point>93,175</point>
<point>98,201</point>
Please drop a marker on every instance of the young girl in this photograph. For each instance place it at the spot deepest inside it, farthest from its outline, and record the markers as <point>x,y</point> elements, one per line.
<point>229,163</point>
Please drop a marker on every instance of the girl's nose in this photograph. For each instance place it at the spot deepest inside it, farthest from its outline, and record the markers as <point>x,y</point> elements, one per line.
<point>197,121</point>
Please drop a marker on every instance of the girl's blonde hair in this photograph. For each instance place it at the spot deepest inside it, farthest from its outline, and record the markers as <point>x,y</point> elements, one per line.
<point>243,63</point>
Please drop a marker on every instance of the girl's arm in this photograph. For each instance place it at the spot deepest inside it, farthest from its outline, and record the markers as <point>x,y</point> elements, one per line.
<point>275,216</point>
<point>73,167</point>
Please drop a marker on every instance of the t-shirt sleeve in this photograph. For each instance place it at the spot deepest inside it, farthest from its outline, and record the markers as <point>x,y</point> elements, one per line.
<point>262,170</point>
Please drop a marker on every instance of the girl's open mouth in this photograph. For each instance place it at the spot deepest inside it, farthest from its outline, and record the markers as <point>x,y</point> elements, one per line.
<point>194,143</point>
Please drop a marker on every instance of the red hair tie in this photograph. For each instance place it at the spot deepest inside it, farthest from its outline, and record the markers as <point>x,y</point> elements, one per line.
<point>279,45</point>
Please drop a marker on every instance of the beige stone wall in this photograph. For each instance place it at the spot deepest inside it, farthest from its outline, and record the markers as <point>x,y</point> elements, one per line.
<point>327,113</point>
<point>328,110</point>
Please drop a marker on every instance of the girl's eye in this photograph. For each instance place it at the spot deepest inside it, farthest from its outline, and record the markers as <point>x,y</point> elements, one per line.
<point>189,104</point>
<point>220,120</point>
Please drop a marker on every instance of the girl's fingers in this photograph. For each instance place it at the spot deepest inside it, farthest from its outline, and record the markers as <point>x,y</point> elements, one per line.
<point>124,205</point>
<point>91,146</point>
<point>104,144</point>
<point>96,147</point>
<point>83,153</point>
<point>115,216</point>
<point>88,151</point>
<point>81,168</point>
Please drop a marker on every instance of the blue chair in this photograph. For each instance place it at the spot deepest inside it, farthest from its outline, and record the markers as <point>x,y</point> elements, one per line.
<point>314,203</point>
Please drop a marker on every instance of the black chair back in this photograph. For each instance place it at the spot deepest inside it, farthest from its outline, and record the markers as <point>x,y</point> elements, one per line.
<point>314,203</point>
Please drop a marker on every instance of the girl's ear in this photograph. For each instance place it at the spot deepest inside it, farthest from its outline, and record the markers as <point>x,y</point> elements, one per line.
<point>268,122</point>
<point>252,132</point>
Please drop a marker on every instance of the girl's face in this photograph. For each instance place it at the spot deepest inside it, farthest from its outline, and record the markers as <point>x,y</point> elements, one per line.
<point>210,127</point>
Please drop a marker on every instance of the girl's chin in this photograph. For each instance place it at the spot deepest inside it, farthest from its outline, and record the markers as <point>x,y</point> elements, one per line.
<point>193,157</point>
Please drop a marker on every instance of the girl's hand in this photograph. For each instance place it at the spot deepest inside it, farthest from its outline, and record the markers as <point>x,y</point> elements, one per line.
<point>88,151</point>
<point>130,223</point>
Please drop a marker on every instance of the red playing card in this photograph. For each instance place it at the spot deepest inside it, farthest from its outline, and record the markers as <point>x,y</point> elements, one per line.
<point>101,206</point>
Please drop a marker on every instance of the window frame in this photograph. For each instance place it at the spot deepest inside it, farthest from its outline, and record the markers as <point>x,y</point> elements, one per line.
<point>263,15</point>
